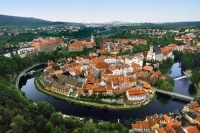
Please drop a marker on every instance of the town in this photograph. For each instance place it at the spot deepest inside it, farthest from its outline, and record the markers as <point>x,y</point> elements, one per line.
<point>111,71</point>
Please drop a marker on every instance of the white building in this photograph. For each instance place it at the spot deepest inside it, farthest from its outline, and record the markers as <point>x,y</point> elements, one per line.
<point>138,59</point>
<point>110,60</point>
<point>136,94</point>
<point>154,54</point>
<point>8,52</point>
<point>24,51</point>
<point>127,69</point>
<point>117,71</point>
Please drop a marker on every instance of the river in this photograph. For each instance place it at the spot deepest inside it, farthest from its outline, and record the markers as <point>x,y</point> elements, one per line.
<point>162,104</point>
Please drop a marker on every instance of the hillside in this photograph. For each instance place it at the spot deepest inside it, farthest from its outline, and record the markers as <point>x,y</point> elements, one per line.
<point>14,20</point>
<point>181,24</point>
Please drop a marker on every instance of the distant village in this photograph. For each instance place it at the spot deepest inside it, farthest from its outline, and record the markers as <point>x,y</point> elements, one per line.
<point>188,38</point>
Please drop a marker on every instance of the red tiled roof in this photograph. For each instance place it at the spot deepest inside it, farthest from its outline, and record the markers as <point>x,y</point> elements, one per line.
<point>123,41</point>
<point>197,118</point>
<point>58,71</point>
<point>192,129</point>
<point>156,74</point>
<point>166,50</point>
<point>152,120</point>
<point>141,42</point>
<point>88,43</point>
<point>102,65</point>
<point>141,125</point>
<point>76,44</point>
<point>135,65</point>
<point>80,91</point>
<point>47,41</point>
<point>49,68</point>
<point>168,121</point>
<point>146,85</point>
<point>96,60</point>
<point>148,68</point>
<point>136,91</point>
<point>131,79</point>
<point>97,89</point>
<point>161,130</point>
<point>108,87</point>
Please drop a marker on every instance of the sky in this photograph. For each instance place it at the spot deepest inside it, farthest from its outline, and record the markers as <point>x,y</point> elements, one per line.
<point>100,11</point>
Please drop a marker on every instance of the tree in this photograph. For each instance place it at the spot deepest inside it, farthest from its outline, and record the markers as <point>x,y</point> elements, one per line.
<point>69,123</point>
<point>116,96</point>
<point>41,122</point>
<point>78,130</point>
<point>177,54</point>
<point>7,115</point>
<point>49,126</point>
<point>89,127</point>
<point>188,60</point>
<point>166,86</point>
<point>195,75</point>
<point>57,119</point>
<point>45,109</point>
<point>105,125</point>
<point>196,80</point>
<point>17,124</point>
<point>57,130</point>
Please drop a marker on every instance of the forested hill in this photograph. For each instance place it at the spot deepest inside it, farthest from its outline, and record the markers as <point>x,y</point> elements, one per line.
<point>12,20</point>
<point>180,24</point>
<point>6,20</point>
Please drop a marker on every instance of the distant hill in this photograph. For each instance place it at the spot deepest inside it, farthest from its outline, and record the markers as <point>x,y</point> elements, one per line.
<point>173,24</point>
<point>14,20</point>
<point>182,24</point>
<point>167,24</point>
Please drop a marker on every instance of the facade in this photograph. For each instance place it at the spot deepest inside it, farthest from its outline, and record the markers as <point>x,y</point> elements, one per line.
<point>141,126</point>
<point>191,129</point>
<point>79,45</point>
<point>110,60</point>
<point>154,53</point>
<point>153,122</point>
<point>136,94</point>
<point>190,117</point>
<point>75,47</point>
<point>47,44</point>
<point>27,50</point>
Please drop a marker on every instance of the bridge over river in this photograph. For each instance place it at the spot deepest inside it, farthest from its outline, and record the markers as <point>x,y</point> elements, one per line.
<point>176,95</point>
<point>180,77</point>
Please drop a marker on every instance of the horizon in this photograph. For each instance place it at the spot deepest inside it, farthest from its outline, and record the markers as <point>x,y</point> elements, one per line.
<point>88,11</point>
<point>103,22</point>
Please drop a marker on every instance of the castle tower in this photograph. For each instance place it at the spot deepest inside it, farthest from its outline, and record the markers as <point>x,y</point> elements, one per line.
<point>92,38</point>
<point>151,49</point>
<point>108,47</point>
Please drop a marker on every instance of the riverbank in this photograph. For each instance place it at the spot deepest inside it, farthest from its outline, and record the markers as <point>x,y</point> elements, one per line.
<point>106,106</point>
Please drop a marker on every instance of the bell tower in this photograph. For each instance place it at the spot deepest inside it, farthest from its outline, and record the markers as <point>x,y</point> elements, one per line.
<point>92,38</point>
<point>151,49</point>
